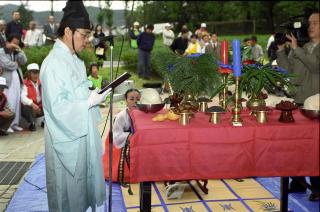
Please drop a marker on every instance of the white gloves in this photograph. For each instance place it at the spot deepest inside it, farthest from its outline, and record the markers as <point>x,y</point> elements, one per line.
<point>95,98</point>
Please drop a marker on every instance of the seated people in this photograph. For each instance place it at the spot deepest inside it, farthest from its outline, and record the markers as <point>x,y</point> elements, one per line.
<point>121,134</point>
<point>194,46</point>
<point>6,113</point>
<point>31,96</point>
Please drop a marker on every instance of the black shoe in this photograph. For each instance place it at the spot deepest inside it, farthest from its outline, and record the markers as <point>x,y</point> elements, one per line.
<point>32,127</point>
<point>3,133</point>
<point>296,189</point>
<point>314,196</point>
<point>42,124</point>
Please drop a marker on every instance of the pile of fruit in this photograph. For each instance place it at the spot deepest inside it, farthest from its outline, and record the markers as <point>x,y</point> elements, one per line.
<point>170,115</point>
<point>186,107</point>
<point>286,105</point>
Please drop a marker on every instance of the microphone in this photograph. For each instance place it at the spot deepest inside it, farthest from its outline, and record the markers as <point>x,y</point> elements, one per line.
<point>96,41</point>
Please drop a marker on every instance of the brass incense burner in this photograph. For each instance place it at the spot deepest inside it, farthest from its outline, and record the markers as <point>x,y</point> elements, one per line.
<point>261,116</point>
<point>215,112</point>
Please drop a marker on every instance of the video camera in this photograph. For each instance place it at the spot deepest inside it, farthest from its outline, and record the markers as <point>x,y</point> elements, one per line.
<point>298,26</point>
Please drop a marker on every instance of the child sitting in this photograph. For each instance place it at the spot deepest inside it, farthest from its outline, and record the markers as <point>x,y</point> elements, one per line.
<point>122,130</point>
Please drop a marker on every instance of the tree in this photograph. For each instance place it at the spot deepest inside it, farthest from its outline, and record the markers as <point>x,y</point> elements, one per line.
<point>266,14</point>
<point>25,16</point>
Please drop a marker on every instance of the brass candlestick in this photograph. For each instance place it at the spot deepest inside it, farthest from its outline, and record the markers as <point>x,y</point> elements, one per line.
<point>224,96</point>
<point>236,110</point>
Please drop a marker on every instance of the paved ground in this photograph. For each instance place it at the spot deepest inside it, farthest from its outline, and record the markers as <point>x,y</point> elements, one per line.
<point>25,146</point>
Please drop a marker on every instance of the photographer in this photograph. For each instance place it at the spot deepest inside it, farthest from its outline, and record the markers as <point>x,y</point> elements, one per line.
<point>304,63</point>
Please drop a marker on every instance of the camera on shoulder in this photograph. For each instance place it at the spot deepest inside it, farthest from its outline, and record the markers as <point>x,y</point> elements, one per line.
<point>298,26</point>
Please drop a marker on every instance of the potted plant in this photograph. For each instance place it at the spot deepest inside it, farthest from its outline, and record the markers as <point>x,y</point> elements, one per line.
<point>255,78</point>
<point>194,75</point>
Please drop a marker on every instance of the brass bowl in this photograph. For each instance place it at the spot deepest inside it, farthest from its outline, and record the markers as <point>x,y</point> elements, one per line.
<point>310,114</point>
<point>150,108</point>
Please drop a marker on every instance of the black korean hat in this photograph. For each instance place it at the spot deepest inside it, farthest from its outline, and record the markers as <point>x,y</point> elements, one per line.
<point>75,16</point>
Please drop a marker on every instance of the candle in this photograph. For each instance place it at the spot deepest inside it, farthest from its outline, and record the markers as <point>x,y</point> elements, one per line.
<point>236,58</point>
<point>224,52</point>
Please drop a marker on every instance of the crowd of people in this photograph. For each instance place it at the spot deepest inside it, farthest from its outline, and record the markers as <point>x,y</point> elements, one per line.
<point>21,95</point>
<point>184,44</point>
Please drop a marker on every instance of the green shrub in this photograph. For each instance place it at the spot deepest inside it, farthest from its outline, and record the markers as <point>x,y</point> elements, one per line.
<point>38,54</point>
<point>130,59</point>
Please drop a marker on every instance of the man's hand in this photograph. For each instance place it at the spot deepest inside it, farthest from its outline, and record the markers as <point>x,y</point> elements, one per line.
<point>293,43</point>
<point>13,46</point>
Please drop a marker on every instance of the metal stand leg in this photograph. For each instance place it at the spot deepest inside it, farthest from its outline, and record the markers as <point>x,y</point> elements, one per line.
<point>145,197</point>
<point>284,194</point>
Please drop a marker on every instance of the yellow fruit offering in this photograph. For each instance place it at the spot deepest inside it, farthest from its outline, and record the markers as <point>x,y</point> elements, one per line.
<point>172,116</point>
<point>159,117</point>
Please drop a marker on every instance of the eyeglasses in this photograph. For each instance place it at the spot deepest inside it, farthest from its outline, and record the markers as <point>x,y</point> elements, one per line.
<point>84,35</point>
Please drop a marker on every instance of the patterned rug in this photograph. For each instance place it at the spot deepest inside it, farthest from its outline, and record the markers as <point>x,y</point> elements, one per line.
<point>224,195</point>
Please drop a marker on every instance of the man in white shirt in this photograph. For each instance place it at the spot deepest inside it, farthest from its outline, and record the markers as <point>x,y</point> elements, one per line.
<point>167,35</point>
<point>33,36</point>
<point>270,40</point>
<point>31,96</point>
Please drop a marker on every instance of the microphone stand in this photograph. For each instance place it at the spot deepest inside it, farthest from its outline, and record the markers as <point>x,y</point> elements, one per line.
<point>110,134</point>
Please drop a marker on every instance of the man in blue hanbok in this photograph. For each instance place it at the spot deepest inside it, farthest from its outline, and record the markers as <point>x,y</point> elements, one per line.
<point>73,149</point>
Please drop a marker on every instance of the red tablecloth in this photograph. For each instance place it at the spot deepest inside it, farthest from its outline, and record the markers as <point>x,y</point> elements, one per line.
<point>169,151</point>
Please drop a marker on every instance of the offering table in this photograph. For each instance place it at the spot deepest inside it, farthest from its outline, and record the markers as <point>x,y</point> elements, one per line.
<point>162,151</point>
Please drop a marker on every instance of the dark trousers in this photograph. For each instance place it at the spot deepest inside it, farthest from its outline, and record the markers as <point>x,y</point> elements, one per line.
<point>144,63</point>
<point>6,122</point>
<point>296,183</point>
<point>29,114</point>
